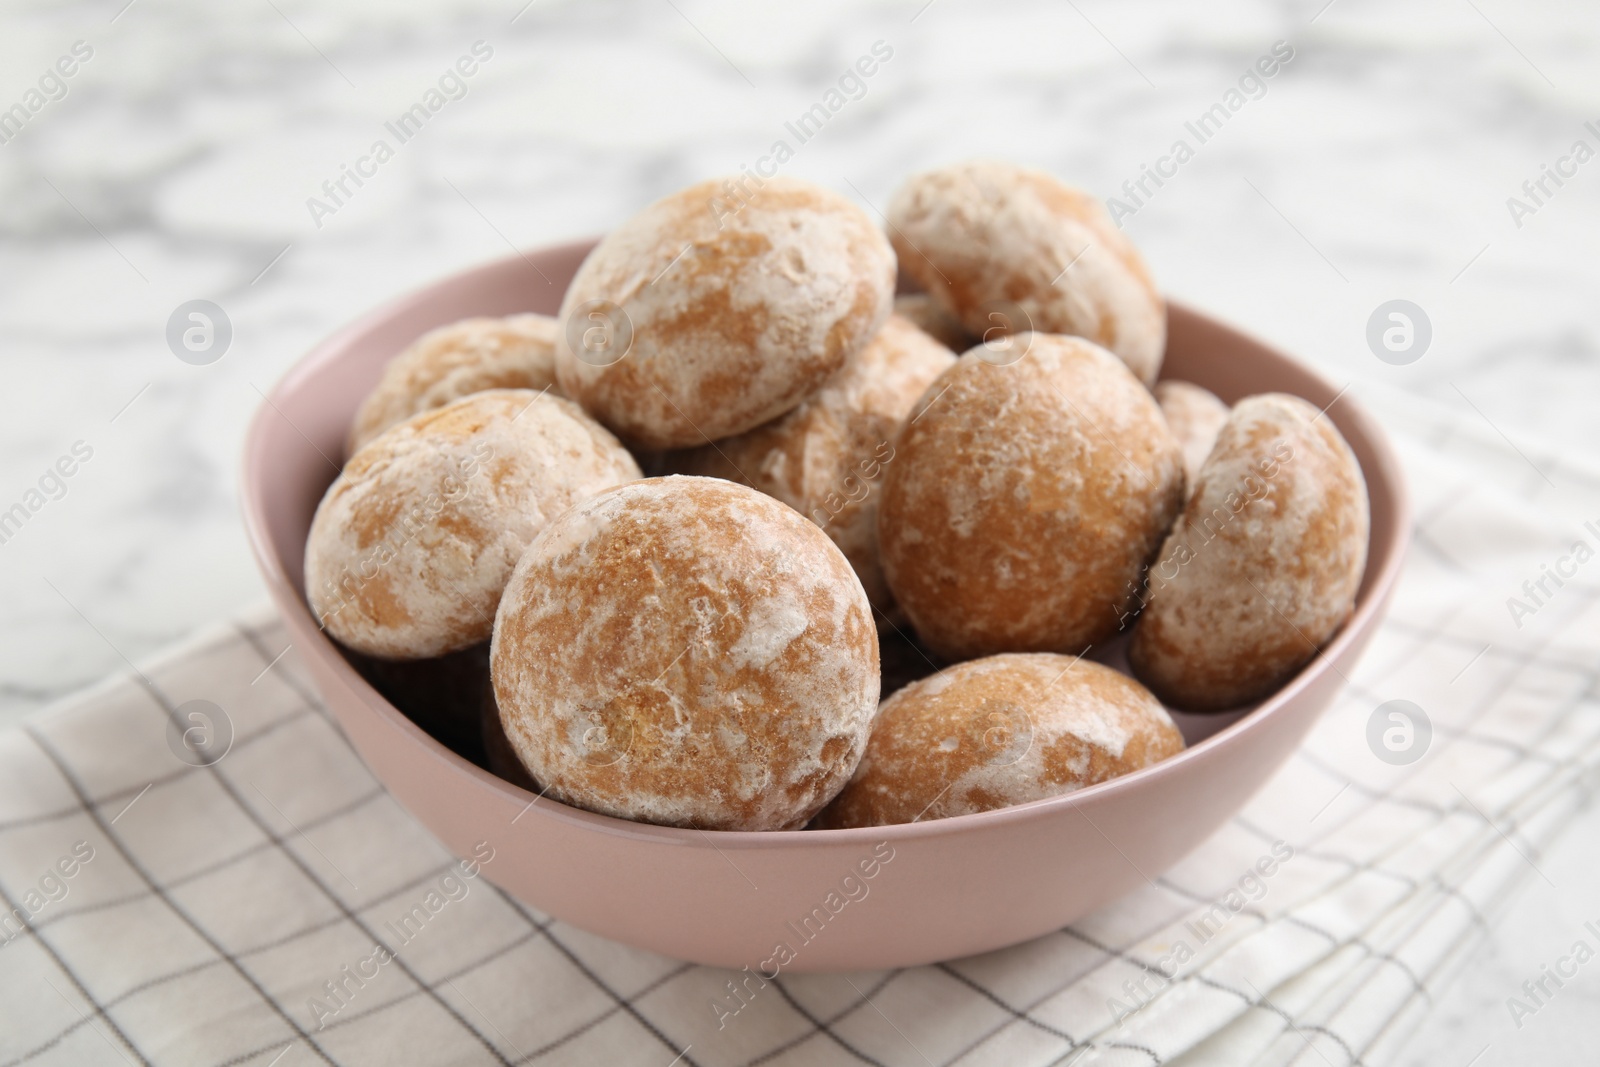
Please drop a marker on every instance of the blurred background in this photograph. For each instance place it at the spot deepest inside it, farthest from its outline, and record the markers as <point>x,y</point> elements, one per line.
<point>157,152</point>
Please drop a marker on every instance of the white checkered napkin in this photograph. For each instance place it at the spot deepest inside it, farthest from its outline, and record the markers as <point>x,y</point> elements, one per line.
<point>1345,1006</point>
<point>218,901</point>
<point>209,908</point>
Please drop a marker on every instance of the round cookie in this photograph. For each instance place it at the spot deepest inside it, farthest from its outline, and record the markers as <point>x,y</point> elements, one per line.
<point>444,365</point>
<point>687,651</point>
<point>991,239</point>
<point>1264,565</point>
<point>1195,416</point>
<point>1025,499</point>
<point>1003,730</point>
<point>826,457</point>
<point>927,315</point>
<point>720,307</point>
<point>414,541</point>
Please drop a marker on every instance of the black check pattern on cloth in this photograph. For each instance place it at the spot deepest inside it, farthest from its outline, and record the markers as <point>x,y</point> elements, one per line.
<point>222,901</point>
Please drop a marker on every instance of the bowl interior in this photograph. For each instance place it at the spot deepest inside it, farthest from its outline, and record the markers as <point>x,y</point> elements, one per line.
<point>299,434</point>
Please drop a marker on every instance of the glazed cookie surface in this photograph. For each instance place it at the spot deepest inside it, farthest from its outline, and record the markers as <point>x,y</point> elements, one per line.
<point>687,651</point>
<point>444,365</point>
<point>1025,499</point>
<point>1195,416</point>
<point>413,542</point>
<point>826,458</point>
<point>717,309</point>
<point>1264,565</point>
<point>988,239</point>
<point>998,731</point>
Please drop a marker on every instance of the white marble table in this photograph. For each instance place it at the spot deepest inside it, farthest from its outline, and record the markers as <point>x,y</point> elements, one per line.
<point>179,158</point>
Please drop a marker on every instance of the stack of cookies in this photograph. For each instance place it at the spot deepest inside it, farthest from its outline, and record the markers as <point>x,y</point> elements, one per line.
<point>958,498</point>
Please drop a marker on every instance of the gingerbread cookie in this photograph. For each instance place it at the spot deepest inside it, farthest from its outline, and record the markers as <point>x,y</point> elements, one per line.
<point>414,541</point>
<point>1002,246</point>
<point>687,651</point>
<point>1026,498</point>
<point>721,307</point>
<point>998,731</point>
<point>1264,565</point>
<point>466,357</point>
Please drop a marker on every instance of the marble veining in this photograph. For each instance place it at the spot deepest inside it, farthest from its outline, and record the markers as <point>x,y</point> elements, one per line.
<point>186,153</point>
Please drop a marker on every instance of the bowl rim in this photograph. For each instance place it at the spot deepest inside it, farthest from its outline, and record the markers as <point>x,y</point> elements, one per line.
<point>289,597</point>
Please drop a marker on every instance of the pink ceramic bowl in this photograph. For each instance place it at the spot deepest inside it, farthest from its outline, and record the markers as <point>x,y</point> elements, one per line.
<point>938,889</point>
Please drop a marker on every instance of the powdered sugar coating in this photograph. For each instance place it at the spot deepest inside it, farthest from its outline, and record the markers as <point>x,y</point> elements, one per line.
<point>998,731</point>
<point>1025,499</point>
<point>740,307</point>
<point>826,458</point>
<point>687,651</point>
<point>1195,416</point>
<point>978,234</point>
<point>1264,565</point>
<point>466,357</point>
<point>414,541</point>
